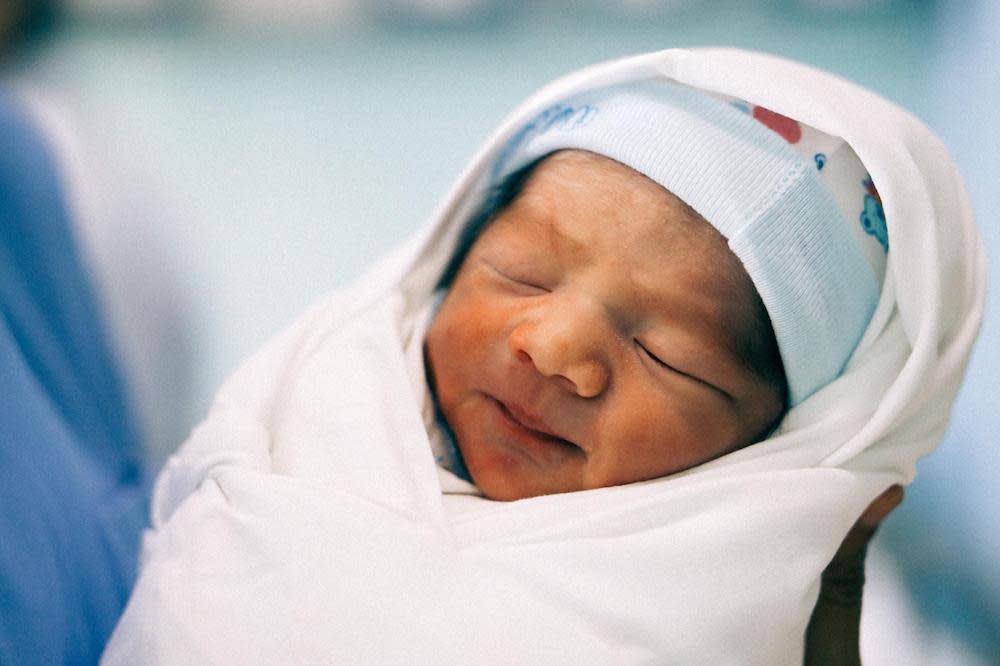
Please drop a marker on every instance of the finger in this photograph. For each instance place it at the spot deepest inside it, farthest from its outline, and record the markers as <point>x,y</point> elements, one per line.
<point>851,554</point>
<point>881,507</point>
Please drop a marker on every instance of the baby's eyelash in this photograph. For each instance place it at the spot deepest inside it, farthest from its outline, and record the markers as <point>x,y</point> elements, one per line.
<point>667,366</point>
<point>656,358</point>
<point>518,280</point>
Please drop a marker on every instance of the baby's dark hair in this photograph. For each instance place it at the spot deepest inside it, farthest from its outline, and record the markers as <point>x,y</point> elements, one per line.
<point>757,348</point>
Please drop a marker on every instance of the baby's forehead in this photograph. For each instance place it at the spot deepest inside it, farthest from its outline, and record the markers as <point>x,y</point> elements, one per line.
<point>578,204</point>
<point>571,182</point>
<point>580,171</point>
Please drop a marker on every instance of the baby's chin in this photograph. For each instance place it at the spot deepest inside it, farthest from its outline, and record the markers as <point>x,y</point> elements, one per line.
<point>506,478</point>
<point>503,490</point>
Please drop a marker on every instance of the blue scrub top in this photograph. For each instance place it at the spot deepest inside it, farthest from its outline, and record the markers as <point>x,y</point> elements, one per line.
<point>73,499</point>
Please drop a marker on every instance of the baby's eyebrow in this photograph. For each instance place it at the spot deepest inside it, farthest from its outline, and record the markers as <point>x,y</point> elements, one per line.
<point>561,237</point>
<point>531,213</point>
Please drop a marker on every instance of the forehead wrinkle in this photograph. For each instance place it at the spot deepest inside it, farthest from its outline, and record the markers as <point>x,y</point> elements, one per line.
<point>556,210</point>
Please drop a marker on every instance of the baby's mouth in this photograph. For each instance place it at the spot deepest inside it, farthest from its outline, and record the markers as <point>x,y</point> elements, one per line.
<point>532,424</point>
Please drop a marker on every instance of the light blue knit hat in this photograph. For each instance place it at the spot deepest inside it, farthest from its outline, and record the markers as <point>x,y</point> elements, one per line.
<point>781,221</point>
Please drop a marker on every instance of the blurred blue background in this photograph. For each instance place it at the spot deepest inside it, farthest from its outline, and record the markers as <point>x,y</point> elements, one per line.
<point>230,160</point>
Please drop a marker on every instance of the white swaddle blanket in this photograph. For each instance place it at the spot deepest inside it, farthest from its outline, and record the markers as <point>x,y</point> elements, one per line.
<point>304,521</point>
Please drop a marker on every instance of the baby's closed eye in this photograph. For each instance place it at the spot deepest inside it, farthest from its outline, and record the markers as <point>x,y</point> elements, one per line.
<point>524,276</point>
<point>671,366</point>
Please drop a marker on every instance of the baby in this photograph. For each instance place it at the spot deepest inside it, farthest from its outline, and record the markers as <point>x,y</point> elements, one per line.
<point>600,331</point>
<point>661,297</point>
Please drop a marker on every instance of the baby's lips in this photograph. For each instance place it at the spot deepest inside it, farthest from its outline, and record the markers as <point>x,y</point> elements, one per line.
<point>532,420</point>
<point>529,419</point>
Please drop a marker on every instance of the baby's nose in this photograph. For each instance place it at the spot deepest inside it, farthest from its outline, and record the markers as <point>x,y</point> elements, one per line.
<point>565,344</point>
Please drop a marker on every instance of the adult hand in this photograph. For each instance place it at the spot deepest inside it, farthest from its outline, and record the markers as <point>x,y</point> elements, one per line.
<point>832,636</point>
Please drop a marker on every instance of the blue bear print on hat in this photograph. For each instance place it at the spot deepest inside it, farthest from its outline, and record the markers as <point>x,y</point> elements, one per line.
<point>873,216</point>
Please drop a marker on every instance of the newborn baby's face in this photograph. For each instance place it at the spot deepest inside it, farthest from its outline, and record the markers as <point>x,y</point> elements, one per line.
<point>598,333</point>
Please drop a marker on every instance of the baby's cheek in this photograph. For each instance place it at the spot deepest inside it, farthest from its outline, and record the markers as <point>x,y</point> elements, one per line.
<point>476,327</point>
<point>653,437</point>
